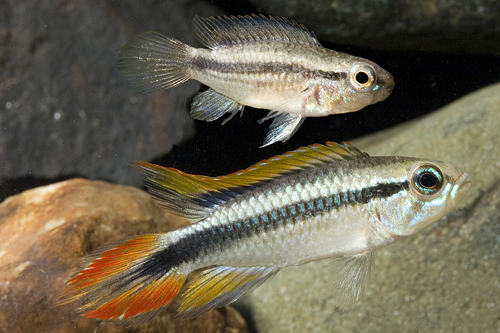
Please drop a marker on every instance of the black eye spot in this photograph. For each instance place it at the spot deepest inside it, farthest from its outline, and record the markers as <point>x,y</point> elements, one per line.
<point>428,180</point>
<point>362,77</point>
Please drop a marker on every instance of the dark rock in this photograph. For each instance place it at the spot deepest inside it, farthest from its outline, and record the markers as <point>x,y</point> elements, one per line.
<point>45,232</point>
<point>65,108</point>
<point>435,25</point>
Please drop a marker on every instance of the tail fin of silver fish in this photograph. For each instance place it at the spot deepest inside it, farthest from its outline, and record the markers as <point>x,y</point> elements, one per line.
<point>153,62</point>
<point>134,279</point>
<point>131,279</point>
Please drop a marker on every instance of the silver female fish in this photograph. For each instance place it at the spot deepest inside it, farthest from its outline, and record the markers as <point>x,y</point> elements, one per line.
<point>313,203</point>
<point>263,62</point>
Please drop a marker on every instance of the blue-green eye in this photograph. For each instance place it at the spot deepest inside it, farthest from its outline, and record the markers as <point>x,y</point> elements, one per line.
<point>428,179</point>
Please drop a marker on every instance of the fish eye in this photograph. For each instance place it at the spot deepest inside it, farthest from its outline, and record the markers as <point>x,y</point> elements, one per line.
<point>428,179</point>
<point>363,77</point>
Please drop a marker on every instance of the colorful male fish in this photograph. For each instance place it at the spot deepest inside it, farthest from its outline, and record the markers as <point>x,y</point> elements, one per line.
<point>263,62</point>
<point>317,202</point>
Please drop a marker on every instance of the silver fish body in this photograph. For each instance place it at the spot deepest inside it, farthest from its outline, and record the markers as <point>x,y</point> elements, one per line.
<point>317,202</point>
<point>302,80</point>
<point>347,208</point>
<point>268,63</point>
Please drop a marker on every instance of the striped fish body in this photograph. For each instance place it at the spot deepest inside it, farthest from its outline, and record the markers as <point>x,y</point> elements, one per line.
<point>313,203</point>
<point>339,209</point>
<point>301,217</point>
<point>301,80</point>
<point>264,62</point>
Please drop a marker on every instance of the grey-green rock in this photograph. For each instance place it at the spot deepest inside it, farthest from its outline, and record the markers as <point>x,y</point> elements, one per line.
<point>444,279</point>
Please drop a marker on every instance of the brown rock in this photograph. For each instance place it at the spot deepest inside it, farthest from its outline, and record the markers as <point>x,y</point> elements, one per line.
<point>45,232</point>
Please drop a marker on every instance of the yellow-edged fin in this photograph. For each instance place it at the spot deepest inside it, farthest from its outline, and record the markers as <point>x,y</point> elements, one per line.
<point>218,286</point>
<point>193,196</point>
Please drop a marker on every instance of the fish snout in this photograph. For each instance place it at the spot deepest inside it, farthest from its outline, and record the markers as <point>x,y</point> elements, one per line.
<point>386,83</point>
<point>461,188</point>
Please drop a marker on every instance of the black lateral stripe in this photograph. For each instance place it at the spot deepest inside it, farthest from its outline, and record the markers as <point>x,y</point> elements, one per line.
<point>196,244</point>
<point>200,63</point>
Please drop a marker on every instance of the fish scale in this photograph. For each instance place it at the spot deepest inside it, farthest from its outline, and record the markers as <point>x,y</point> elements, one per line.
<point>306,205</point>
<point>263,62</point>
<point>317,202</point>
<point>275,77</point>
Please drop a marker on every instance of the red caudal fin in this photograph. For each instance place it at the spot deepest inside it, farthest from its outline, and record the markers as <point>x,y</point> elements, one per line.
<point>127,280</point>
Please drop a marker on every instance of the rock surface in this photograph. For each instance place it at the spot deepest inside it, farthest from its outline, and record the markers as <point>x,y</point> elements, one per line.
<point>65,110</point>
<point>444,279</point>
<point>435,25</point>
<point>45,232</point>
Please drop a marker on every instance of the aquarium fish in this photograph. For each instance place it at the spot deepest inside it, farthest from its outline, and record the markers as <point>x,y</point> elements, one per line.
<point>317,202</point>
<point>263,62</point>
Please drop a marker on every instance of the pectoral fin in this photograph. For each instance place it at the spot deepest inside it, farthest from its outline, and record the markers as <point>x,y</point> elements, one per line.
<point>351,276</point>
<point>282,128</point>
<point>218,286</point>
<point>209,105</point>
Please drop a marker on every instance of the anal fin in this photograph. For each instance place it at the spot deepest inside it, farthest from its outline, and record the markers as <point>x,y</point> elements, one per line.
<point>221,285</point>
<point>282,128</point>
<point>209,105</point>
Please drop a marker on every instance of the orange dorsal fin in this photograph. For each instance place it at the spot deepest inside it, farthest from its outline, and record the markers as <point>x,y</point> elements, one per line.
<point>193,196</point>
<point>219,286</point>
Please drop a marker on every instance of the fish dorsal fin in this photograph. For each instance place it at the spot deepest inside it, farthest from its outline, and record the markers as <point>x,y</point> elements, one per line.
<point>218,286</point>
<point>193,196</point>
<point>215,32</point>
<point>299,159</point>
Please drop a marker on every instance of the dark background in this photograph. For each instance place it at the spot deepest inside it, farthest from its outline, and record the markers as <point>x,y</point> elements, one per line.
<point>425,81</point>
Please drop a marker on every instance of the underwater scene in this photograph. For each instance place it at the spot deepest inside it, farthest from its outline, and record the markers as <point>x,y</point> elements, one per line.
<point>249,166</point>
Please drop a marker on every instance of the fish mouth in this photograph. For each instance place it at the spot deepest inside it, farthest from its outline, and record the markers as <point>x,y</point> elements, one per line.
<point>461,187</point>
<point>385,84</point>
